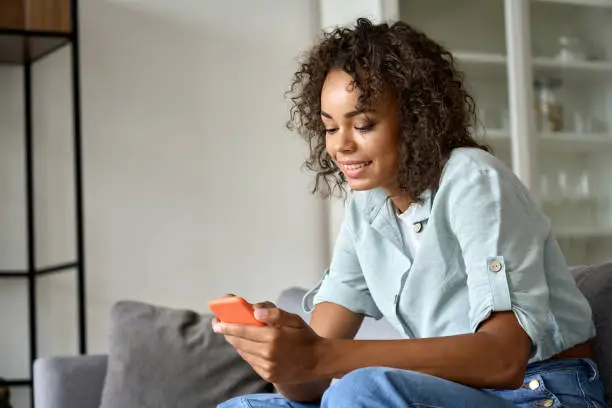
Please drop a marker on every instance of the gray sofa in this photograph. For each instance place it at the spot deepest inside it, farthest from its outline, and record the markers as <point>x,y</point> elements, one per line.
<point>77,381</point>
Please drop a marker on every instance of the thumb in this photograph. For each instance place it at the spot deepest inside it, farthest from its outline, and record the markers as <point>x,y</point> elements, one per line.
<point>278,317</point>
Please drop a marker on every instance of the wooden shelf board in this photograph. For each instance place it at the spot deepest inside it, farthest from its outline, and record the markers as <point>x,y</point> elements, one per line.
<point>20,46</point>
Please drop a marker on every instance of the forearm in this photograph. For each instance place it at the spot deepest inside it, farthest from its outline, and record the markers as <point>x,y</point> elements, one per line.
<point>304,392</point>
<point>471,359</point>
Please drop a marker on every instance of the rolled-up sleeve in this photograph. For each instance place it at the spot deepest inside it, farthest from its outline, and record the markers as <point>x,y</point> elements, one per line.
<point>343,283</point>
<point>502,239</point>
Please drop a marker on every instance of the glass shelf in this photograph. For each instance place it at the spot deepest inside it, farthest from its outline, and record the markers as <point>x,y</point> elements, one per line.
<point>576,70</point>
<point>554,142</point>
<point>595,3</point>
<point>582,232</point>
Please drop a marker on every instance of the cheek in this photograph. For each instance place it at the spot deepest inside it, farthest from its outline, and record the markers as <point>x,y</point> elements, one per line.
<point>388,160</point>
<point>328,147</point>
<point>388,166</point>
<point>385,147</point>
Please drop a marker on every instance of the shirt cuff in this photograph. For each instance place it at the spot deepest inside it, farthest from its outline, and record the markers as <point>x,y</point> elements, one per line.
<point>340,293</point>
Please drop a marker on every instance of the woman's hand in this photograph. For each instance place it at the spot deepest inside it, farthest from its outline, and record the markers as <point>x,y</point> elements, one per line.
<point>286,350</point>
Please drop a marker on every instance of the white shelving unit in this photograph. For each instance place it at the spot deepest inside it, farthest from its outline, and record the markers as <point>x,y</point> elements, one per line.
<point>503,46</point>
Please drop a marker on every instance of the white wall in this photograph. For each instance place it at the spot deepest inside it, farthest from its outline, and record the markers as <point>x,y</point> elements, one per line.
<point>193,186</point>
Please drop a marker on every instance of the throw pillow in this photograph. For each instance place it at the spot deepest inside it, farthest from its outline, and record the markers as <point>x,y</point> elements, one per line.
<point>161,357</point>
<point>595,282</point>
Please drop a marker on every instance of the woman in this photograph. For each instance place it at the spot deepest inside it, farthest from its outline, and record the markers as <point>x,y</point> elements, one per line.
<point>439,237</point>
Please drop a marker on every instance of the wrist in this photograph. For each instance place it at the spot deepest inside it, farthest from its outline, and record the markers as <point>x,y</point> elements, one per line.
<point>328,358</point>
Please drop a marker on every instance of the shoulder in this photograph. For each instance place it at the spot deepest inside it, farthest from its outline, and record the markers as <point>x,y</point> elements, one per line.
<point>470,163</point>
<point>476,182</point>
<point>473,170</point>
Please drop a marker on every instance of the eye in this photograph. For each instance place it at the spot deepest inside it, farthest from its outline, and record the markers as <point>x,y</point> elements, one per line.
<point>331,131</point>
<point>366,127</point>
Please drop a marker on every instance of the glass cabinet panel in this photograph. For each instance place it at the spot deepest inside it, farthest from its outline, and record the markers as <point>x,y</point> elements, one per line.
<point>474,31</point>
<point>572,69</point>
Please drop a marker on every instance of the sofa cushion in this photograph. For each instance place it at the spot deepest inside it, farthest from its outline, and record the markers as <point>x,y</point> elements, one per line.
<point>162,357</point>
<point>595,282</point>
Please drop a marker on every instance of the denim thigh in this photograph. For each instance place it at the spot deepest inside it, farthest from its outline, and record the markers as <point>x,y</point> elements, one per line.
<point>563,383</point>
<point>568,383</point>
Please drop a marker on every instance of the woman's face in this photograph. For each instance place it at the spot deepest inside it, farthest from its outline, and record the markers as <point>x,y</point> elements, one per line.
<point>362,143</point>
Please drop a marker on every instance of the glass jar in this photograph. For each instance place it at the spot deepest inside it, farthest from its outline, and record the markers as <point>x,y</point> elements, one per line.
<point>549,109</point>
<point>570,49</point>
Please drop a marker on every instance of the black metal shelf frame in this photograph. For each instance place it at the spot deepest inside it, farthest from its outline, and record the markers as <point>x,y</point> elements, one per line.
<point>25,48</point>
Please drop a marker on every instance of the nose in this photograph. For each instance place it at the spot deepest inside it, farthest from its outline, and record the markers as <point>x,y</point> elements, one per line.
<point>343,141</point>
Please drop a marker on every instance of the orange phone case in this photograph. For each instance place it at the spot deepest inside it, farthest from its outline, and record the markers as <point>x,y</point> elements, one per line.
<point>234,309</point>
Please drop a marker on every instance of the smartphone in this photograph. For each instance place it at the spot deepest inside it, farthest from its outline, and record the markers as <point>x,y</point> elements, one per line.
<point>234,309</point>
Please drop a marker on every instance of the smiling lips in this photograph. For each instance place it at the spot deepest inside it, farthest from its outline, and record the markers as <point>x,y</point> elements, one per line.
<point>354,169</point>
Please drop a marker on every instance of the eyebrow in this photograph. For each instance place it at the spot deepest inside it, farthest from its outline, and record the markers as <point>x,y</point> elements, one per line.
<point>348,115</point>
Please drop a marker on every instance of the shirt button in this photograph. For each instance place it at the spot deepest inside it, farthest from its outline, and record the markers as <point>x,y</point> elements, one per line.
<point>495,266</point>
<point>534,385</point>
<point>418,227</point>
<point>546,403</point>
<point>395,299</point>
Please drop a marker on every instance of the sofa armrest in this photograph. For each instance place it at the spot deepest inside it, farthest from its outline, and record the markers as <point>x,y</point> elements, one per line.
<point>69,382</point>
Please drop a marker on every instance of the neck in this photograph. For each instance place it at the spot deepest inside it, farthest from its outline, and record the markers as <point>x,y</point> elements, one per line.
<point>401,201</point>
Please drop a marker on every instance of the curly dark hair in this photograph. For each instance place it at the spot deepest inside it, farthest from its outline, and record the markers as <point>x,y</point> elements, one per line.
<point>436,113</point>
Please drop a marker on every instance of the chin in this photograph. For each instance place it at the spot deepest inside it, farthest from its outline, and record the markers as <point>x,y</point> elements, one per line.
<point>361,184</point>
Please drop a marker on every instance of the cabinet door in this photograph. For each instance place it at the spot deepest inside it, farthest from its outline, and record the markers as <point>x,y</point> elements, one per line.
<point>474,32</point>
<point>571,62</point>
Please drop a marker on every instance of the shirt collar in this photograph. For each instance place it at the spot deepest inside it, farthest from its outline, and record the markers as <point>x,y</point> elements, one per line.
<point>380,214</point>
<point>376,204</point>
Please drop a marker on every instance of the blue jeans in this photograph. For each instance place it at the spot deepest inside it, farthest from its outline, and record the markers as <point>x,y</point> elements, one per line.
<point>569,383</point>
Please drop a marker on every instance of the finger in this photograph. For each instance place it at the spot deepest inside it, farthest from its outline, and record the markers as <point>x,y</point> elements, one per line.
<point>279,317</point>
<point>246,346</point>
<point>215,322</point>
<point>263,305</point>
<point>260,334</point>
<point>258,364</point>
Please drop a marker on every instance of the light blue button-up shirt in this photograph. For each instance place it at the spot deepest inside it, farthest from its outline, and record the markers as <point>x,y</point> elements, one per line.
<point>485,247</point>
